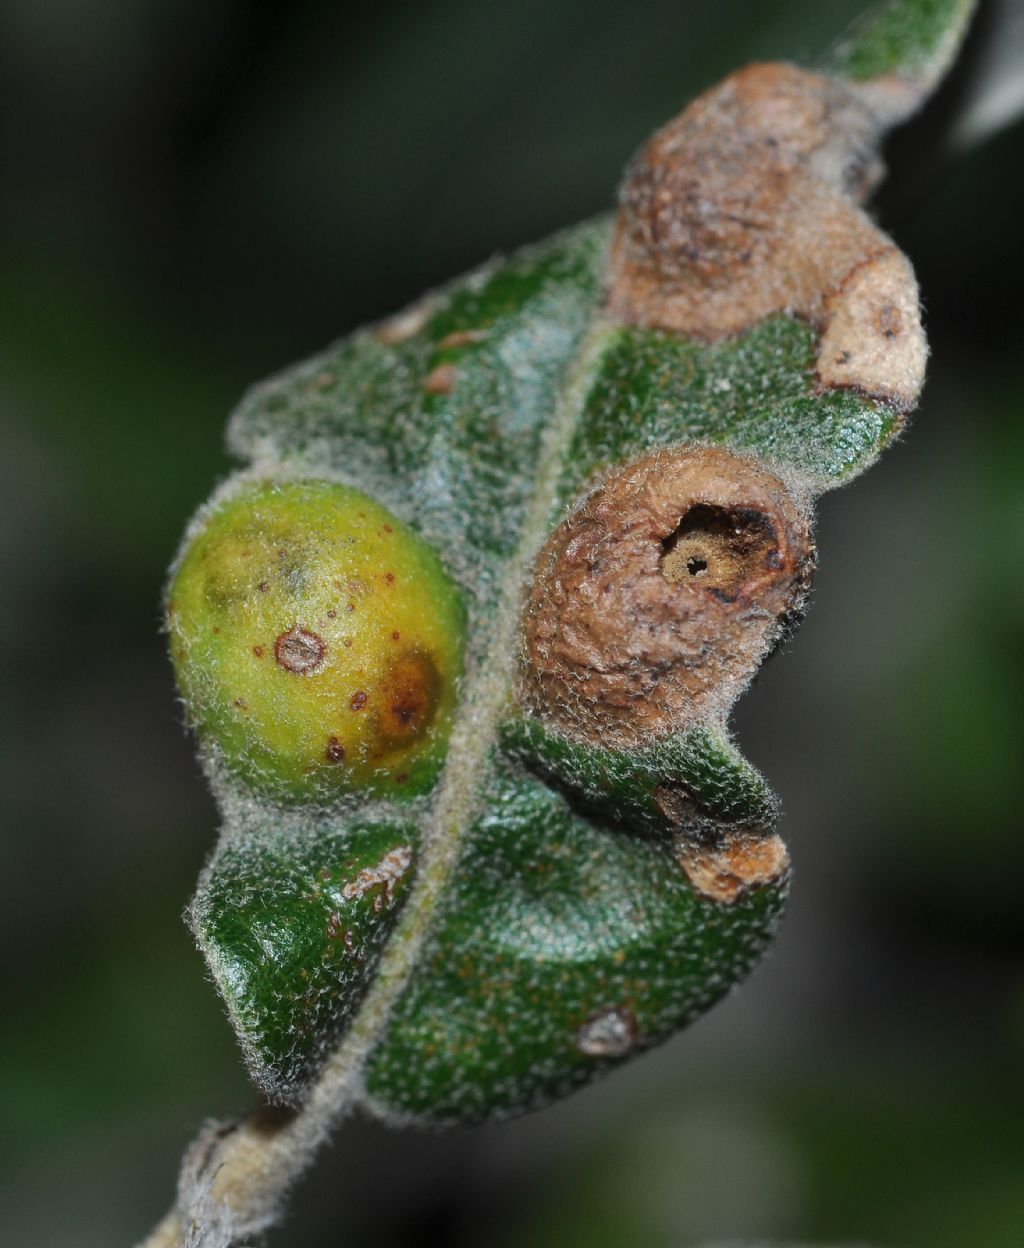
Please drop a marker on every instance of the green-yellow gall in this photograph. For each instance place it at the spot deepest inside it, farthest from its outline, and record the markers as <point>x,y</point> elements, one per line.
<point>317,642</point>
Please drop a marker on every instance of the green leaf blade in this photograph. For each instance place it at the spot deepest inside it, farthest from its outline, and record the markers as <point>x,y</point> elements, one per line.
<point>754,394</point>
<point>292,924</point>
<point>566,946</point>
<point>913,39</point>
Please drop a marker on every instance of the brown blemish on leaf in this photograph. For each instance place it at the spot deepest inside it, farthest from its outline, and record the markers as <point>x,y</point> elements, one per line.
<point>607,1033</point>
<point>299,651</point>
<point>335,751</point>
<point>410,694</point>
<point>655,601</point>
<point>725,873</point>
<point>358,700</point>
<point>383,877</point>
<point>440,380</point>
<point>460,338</point>
<point>405,324</point>
<point>258,651</point>
<point>747,205</point>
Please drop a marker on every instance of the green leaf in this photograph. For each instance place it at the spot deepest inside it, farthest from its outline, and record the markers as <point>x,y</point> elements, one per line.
<point>912,40</point>
<point>603,452</point>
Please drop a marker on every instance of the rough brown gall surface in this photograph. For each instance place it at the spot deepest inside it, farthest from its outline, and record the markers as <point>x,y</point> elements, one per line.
<point>748,204</point>
<point>655,601</point>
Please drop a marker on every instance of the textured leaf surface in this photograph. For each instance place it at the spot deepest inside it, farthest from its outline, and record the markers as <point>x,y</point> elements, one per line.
<point>902,37</point>
<point>556,899</point>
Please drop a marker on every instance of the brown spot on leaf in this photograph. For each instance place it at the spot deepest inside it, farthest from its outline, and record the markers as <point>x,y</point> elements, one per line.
<point>383,878</point>
<point>725,873</point>
<point>440,380</point>
<point>747,205</point>
<point>655,601</point>
<point>335,751</point>
<point>358,700</point>
<point>461,338</point>
<point>333,925</point>
<point>258,651</point>
<point>405,324</point>
<point>299,651</point>
<point>607,1033</point>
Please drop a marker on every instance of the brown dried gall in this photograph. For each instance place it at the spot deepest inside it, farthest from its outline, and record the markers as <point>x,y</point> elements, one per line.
<point>655,601</point>
<point>748,205</point>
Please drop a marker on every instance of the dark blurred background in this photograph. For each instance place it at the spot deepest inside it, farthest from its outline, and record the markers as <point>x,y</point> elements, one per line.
<point>196,193</point>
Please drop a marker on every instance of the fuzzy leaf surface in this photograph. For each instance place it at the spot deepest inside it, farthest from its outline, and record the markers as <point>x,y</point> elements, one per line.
<point>526,924</point>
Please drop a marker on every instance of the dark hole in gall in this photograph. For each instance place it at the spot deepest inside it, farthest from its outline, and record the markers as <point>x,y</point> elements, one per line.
<point>720,549</point>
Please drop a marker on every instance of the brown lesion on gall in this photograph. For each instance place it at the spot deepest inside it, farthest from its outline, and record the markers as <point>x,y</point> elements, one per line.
<point>657,598</point>
<point>872,339</point>
<point>409,698</point>
<point>730,870</point>
<point>748,205</point>
<point>299,651</point>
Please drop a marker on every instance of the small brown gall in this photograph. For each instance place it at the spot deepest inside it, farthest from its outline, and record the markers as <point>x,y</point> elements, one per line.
<point>658,597</point>
<point>747,205</point>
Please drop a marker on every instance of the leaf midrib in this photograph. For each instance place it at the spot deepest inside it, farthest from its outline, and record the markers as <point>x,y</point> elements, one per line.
<point>475,731</point>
